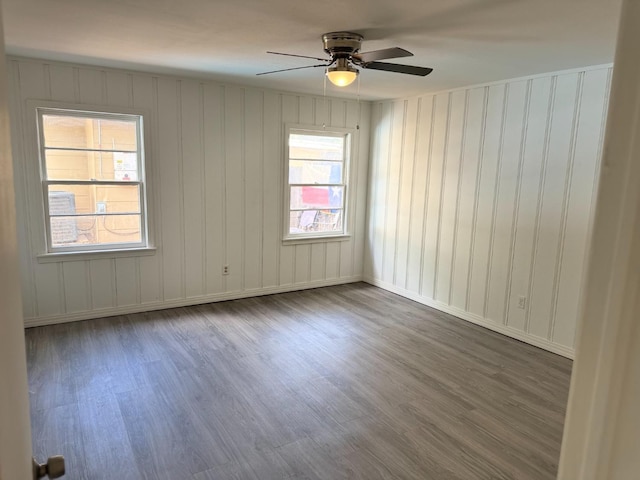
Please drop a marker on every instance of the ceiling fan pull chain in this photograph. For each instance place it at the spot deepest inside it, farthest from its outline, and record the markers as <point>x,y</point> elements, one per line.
<point>324,95</point>
<point>358,105</point>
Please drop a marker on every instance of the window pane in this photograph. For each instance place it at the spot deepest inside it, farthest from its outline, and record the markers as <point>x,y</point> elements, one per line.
<point>316,197</point>
<point>95,230</point>
<point>316,147</point>
<point>309,221</point>
<point>63,131</point>
<point>81,165</point>
<point>301,171</point>
<point>90,199</point>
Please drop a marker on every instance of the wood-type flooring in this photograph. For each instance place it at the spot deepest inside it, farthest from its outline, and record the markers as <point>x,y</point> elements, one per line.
<point>345,382</point>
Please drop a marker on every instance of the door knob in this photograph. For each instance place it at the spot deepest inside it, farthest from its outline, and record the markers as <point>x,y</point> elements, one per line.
<point>54,468</point>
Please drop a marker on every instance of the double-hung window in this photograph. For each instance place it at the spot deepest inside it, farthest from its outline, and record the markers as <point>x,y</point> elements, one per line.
<point>93,181</point>
<point>316,182</point>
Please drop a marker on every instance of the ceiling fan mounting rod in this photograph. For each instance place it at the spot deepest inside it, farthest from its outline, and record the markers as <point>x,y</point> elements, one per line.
<point>342,44</point>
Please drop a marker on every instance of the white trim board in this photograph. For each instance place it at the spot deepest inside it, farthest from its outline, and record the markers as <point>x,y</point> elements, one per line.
<point>183,302</point>
<point>476,319</point>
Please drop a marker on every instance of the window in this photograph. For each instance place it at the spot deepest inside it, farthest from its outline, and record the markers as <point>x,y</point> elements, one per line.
<point>93,183</point>
<point>316,184</point>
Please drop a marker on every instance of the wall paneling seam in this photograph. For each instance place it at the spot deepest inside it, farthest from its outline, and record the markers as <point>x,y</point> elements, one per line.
<point>565,205</point>
<point>516,207</point>
<point>541,184</point>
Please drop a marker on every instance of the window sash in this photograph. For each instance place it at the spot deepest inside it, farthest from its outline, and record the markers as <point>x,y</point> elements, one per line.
<point>344,184</point>
<point>313,209</point>
<point>303,159</point>
<point>313,184</point>
<point>95,246</point>
<point>140,183</point>
<point>97,150</point>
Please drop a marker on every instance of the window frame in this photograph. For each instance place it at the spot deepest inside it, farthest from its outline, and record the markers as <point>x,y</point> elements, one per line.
<point>348,134</point>
<point>145,245</point>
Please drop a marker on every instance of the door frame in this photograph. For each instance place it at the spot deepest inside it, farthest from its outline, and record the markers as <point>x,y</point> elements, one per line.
<point>15,434</point>
<point>602,425</point>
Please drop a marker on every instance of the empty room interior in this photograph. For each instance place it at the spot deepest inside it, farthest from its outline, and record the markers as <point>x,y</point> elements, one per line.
<point>307,240</point>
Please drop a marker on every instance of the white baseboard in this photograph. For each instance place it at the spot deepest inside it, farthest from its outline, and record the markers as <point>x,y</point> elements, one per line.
<point>183,302</point>
<point>477,319</point>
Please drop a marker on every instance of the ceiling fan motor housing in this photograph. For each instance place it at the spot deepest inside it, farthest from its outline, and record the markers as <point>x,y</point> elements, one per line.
<point>341,44</point>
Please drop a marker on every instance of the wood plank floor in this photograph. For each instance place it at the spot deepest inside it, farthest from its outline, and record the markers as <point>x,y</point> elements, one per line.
<point>347,382</point>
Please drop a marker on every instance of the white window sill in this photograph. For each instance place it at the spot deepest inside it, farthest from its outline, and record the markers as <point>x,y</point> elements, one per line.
<point>324,239</point>
<point>95,255</point>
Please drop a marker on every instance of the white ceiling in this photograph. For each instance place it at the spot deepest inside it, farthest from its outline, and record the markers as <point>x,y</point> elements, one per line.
<point>465,41</point>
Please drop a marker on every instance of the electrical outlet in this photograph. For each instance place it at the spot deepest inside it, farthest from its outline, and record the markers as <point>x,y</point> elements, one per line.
<point>522,301</point>
<point>101,207</point>
<point>225,269</point>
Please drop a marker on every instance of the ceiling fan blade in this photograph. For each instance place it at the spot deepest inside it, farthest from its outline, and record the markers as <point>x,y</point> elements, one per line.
<point>394,67</point>
<point>295,68</point>
<point>395,52</point>
<point>299,56</point>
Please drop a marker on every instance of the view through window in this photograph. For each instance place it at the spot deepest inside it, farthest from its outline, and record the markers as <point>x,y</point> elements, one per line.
<point>317,183</point>
<point>93,179</point>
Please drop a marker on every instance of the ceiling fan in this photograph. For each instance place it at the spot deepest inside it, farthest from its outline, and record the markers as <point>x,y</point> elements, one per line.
<point>343,49</point>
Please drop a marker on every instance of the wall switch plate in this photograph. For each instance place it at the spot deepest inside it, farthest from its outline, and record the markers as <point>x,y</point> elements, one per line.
<point>101,207</point>
<point>522,301</point>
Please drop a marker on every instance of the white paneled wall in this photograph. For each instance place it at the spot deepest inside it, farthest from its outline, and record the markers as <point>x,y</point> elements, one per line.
<point>216,177</point>
<point>484,195</point>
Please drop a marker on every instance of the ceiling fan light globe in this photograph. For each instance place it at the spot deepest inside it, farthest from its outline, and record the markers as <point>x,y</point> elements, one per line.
<point>342,77</point>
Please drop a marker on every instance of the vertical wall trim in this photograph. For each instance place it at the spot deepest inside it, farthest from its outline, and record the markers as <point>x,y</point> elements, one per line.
<point>76,84</point>
<point>47,80</point>
<point>516,206</point>
<point>138,280</point>
<point>130,90</point>
<point>62,290</point>
<point>565,203</point>
<point>372,174</point>
<point>183,230</point>
<point>263,203</point>
<point>413,187</point>
<point>496,193</point>
<point>261,170</point>
<point>443,179</point>
<point>344,113</point>
<point>280,185</point>
<point>87,279</point>
<point>476,196</point>
<point>427,193</point>
<point>203,189</point>
<point>541,185</point>
<point>223,151</point>
<point>103,81</point>
<point>113,265</point>
<point>114,284</point>
<point>399,195</point>
<point>386,190</point>
<point>22,168</point>
<point>458,192</point>
<point>243,189</point>
<point>157,202</point>
<point>353,181</point>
